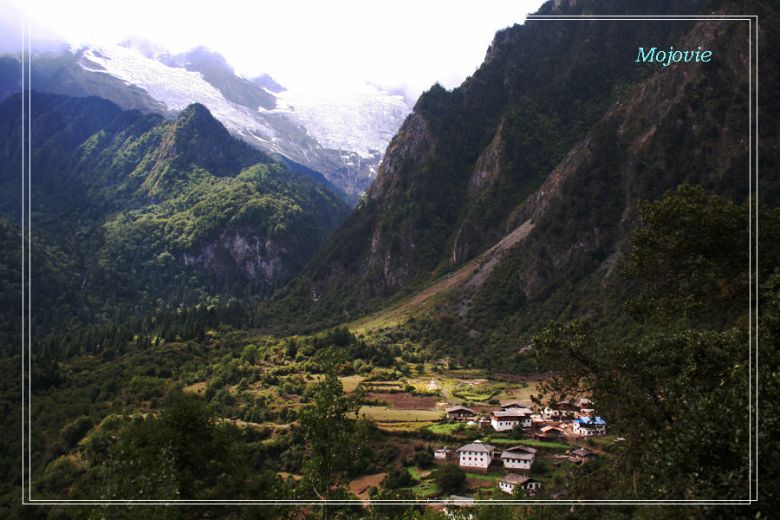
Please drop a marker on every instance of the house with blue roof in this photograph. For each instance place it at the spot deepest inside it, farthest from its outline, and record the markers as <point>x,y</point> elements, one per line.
<point>588,426</point>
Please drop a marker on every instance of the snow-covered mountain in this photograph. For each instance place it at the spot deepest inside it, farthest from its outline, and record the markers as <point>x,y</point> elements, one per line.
<point>341,133</point>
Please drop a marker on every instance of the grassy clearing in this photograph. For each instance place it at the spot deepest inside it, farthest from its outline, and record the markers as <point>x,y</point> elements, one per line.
<point>552,445</point>
<point>382,386</point>
<point>445,428</point>
<point>196,388</point>
<point>484,476</point>
<point>426,489</point>
<point>350,383</point>
<point>404,426</point>
<point>417,473</point>
<point>475,398</point>
<point>384,414</point>
<point>478,390</point>
<point>521,394</point>
<point>471,373</point>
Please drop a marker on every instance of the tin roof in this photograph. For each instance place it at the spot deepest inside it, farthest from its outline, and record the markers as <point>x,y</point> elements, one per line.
<point>477,446</point>
<point>511,478</point>
<point>456,408</point>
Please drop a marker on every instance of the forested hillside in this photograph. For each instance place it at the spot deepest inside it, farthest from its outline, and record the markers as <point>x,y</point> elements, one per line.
<point>132,214</point>
<point>548,149</point>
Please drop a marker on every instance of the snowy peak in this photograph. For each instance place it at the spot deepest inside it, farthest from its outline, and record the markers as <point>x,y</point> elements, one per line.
<point>341,132</point>
<point>362,118</point>
<point>216,71</point>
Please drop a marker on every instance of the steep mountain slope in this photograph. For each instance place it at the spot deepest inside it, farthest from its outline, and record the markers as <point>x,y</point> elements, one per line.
<point>538,163</point>
<point>215,70</point>
<point>63,72</point>
<point>340,133</point>
<point>147,212</point>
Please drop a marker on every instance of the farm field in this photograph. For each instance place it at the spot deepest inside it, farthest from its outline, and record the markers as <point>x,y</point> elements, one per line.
<point>449,428</point>
<point>385,414</point>
<point>404,401</point>
<point>405,426</point>
<point>409,405</point>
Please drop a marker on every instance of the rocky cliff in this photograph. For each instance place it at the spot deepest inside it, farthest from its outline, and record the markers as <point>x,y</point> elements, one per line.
<point>557,134</point>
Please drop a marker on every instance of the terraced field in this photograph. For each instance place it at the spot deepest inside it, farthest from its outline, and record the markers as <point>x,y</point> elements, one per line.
<point>385,414</point>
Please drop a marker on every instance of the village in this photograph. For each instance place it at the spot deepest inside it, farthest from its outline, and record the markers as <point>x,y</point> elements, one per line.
<point>497,432</point>
<point>555,422</point>
<point>504,442</point>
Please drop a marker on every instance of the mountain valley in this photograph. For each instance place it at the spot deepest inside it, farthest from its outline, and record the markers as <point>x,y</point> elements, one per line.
<point>238,291</point>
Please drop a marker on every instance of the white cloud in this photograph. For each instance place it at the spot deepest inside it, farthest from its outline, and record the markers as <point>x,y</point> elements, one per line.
<point>403,43</point>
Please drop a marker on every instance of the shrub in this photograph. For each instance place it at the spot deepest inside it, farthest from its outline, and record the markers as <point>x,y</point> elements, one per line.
<point>449,479</point>
<point>398,478</point>
<point>423,458</point>
<point>75,430</point>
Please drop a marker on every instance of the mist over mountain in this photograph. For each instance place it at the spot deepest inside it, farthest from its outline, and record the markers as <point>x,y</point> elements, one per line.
<point>339,133</point>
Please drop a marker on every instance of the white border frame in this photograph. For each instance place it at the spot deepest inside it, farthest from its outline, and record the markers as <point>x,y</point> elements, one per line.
<point>753,302</point>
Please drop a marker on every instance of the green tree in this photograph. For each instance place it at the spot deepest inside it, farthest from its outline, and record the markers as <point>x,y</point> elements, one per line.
<point>75,430</point>
<point>449,478</point>
<point>691,254</point>
<point>398,478</point>
<point>680,395</point>
<point>335,437</point>
<point>394,511</point>
<point>183,453</point>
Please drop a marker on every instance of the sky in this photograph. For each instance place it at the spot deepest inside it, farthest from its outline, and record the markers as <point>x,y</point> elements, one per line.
<point>407,44</point>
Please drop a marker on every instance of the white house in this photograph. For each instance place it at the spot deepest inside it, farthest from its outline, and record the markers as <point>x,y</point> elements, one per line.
<point>476,456</point>
<point>510,481</point>
<point>585,406</point>
<point>518,458</point>
<point>587,426</point>
<point>504,420</point>
<point>442,454</point>
<point>561,409</point>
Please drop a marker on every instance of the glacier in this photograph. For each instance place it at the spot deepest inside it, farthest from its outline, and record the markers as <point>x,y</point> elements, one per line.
<point>341,131</point>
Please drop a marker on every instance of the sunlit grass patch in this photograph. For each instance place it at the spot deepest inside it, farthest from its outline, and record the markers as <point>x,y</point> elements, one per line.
<point>448,428</point>
<point>404,426</point>
<point>350,383</point>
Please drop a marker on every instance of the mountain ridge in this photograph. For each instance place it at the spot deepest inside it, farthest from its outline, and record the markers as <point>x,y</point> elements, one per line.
<point>576,211</point>
<point>340,135</point>
<point>154,212</point>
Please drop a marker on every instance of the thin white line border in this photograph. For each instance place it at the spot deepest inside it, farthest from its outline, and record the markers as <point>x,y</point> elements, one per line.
<point>753,371</point>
